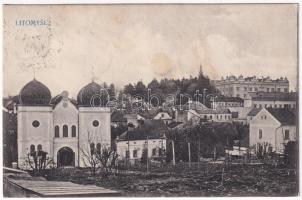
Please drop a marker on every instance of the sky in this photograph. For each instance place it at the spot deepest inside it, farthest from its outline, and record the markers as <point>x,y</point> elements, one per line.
<point>123,44</point>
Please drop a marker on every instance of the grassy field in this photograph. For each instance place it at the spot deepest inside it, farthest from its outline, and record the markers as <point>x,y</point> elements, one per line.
<point>208,180</point>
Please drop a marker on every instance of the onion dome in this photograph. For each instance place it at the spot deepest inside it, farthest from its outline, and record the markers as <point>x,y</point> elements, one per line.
<point>92,95</point>
<point>34,93</point>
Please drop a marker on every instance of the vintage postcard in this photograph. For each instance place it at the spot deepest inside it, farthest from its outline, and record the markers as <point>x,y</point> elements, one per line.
<point>150,100</point>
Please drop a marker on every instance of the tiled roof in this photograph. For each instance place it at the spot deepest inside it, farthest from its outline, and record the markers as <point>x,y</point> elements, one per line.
<point>284,115</point>
<point>229,99</point>
<point>151,129</point>
<point>273,96</point>
<point>214,111</point>
<point>254,112</point>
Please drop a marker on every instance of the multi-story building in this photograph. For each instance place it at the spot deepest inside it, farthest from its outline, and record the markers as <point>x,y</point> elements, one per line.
<point>233,86</point>
<point>63,128</point>
<point>271,99</point>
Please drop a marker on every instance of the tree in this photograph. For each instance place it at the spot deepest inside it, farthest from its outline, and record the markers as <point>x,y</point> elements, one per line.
<point>88,154</point>
<point>111,90</point>
<point>38,162</point>
<point>107,156</point>
<point>129,89</point>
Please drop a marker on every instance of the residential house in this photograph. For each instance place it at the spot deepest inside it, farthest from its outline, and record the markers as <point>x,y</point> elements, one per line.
<point>274,128</point>
<point>149,136</point>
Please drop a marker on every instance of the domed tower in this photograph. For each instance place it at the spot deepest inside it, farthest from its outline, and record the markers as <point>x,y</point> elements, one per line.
<point>94,118</point>
<point>35,120</point>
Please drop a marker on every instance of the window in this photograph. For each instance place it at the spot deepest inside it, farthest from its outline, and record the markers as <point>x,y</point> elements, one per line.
<point>244,95</point>
<point>245,89</point>
<point>92,148</point>
<point>286,135</point>
<point>32,149</point>
<point>260,133</point>
<point>256,89</point>
<point>162,115</point>
<point>267,89</point>
<point>279,89</point>
<point>153,152</point>
<point>238,88</point>
<point>273,89</point>
<point>251,89</point>
<point>65,131</point>
<point>134,153</point>
<point>95,123</point>
<point>127,154</point>
<point>36,123</point>
<point>39,147</point>
<point>73,131</point>
<point>98,148</point>
<point>285,90</point>
<point>57,131</point>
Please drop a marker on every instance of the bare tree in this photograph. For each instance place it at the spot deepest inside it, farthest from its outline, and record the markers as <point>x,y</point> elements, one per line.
<point>107,157</point>
<point>38,162</point>
<point>89,156</point>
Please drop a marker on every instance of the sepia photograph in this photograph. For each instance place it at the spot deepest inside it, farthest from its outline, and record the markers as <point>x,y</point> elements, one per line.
<point>150,100</point>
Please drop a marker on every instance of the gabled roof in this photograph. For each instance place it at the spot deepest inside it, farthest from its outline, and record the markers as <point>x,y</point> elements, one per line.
<point>151,129</point>
<point>58,98</point>
<point>254,112</point>
<point>284,115</point>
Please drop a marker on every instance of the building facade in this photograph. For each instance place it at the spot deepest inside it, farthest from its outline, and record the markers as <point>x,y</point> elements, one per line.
<point>273,128</point>
<point>233,86</point>
<point>271,100</point>
<point>63,128</point>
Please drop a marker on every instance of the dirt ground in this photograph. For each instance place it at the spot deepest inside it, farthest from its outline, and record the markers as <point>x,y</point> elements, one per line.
<point>239,180</point>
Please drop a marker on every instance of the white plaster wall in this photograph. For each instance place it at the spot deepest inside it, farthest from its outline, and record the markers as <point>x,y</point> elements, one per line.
<point>139,145</point>
<point>27,134</point>
<point>89,133</point>
<point>268,126</point>
<point>65,115</point>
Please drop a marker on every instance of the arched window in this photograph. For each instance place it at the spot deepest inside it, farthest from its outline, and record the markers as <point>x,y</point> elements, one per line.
<point>65,131</point>
<point>39,147</point>
<point>260,133</point>
<point>92,148</point>
<point>98,148</point>
<point>32,148</point>
<point>57,131</point>
<point>73,131</point>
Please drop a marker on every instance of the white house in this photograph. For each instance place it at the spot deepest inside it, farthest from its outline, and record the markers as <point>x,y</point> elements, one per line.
<point>210,115</point>
<point>150,136</point>
<point>274,127</point>
<point>61,126</point>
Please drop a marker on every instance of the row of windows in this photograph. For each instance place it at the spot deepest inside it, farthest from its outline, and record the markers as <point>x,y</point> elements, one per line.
<point>217,117</point>
<point>154,152</point>
<point>95,149</point>
<point>250,89</point>
<point>286,134</point>
<point>274,106</point>
<point>33,148</point>
<point>65,131</point>
<point>36,123</point>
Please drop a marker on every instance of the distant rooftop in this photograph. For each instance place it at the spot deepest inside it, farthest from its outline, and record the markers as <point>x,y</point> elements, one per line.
<point>253,79</point>
<point>273,96</point>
